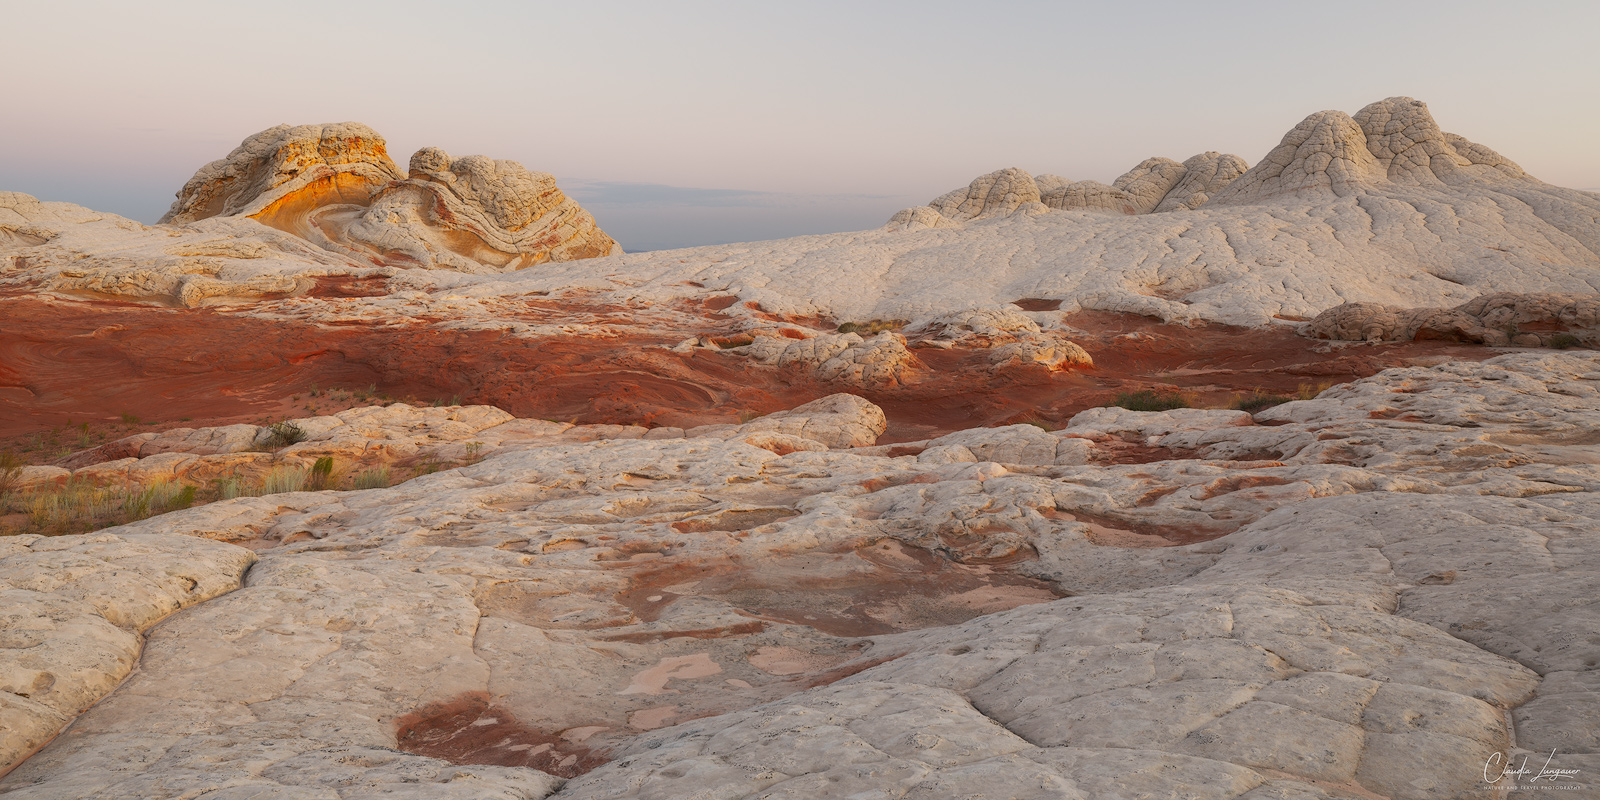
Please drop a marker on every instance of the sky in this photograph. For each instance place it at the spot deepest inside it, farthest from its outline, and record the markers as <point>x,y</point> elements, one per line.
<point>684,123</point>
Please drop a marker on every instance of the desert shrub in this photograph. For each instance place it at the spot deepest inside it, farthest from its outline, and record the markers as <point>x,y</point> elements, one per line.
<point>1259,401</point>
<point>1149,400</point>
<point>377,478</point>
<point>321,476</point>
<point>281,435</point>
<point>1563,341</point>
<point>11,466</point>
<point>873,326</point>
<point>79,506</point>
<point>1309,391</point>
<point>283,479</point>
<point>130,419</point>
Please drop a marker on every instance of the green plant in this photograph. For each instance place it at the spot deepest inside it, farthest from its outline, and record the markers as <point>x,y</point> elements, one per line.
<point>746,416</point>
<point>228,488</point>
<point>1308,391</point>
<point>873,327</point>
<point>321,474</point>
<point>1257,401</point>
<point>1149,400</point>
<point>184,498</point>
<point>474,451</point>
<point>1038,423</point>
<point>377,478</point>
<point>81,506</point>
<point>1563,341</point>
<point>129,419</point>
<point>11,466</point>
<point>283,479</point>
<point>281,435</point>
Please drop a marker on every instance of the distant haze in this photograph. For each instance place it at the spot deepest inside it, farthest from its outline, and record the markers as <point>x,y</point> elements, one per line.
<point>690,123</point>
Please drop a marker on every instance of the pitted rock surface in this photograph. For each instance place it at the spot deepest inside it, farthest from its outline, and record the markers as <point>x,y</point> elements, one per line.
<point>1502,319</point>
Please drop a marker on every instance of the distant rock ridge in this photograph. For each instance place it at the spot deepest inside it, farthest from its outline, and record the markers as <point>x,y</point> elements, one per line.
<point>1329,154</point>
<point>1381,206</point>
<point>336,186</point>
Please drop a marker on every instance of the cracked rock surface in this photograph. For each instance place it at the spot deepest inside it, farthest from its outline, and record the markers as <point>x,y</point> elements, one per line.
<point>1371,593</point>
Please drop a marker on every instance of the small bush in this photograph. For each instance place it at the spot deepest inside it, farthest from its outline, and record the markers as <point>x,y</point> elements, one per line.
<point>283,479</point>
<point>79,506</point>
<point>1259,401</point>
<point>1309,392</point>
<point>1563,341</point>
<point>372,479</point>
<point>474,451</point>
<point>11,466</point>
<point>228,488</point>
<point>873,327</point>
<point>130,419</point>
<point>1148,400</point>
<point>281,435</point>
<point>321,475</point>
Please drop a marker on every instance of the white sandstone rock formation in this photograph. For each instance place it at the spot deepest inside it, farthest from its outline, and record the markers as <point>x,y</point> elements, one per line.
<point>74,609</point>
<point>335,185</point>
<point>1329,216</point>
<point>879,360</point>
<point>1403,585</point>
<point>1506,318</point>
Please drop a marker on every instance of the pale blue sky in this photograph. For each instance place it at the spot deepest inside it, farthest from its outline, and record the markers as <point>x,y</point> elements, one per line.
<point>802,117</point>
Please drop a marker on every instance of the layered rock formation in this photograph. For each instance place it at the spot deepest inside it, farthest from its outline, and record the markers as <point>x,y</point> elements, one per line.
<point>1382,207</point>
<point>1376,594</point>
<point>1523,320</point>
<point>335,185</point>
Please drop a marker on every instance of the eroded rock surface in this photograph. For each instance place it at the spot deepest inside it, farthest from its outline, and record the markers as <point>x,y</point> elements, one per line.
<point>1379,207</point>
<point>72,611</point>
<point>1352,600</point>
<point>336,186</point>
<point>1523,320</point>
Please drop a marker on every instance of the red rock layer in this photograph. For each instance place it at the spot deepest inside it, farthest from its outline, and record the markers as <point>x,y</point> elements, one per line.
<point>64,362</point>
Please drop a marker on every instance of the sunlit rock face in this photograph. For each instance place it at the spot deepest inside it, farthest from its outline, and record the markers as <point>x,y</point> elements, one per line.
<point>336,186</point>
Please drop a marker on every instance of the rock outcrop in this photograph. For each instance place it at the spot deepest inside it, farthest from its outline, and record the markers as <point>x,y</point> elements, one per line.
<point>336,186</point>
<point>74,611</point>
<point>1499,320</point>
<point>1376,594</point>
<point>1329,216</point>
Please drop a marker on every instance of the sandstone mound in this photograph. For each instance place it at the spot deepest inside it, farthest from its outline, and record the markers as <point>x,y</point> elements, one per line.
<point>302,166</point>
<point>1380,207</point>
<point>1524,320</point>
<point>1329,154</point>
<point>1156,184</point>
<point>336,186</point>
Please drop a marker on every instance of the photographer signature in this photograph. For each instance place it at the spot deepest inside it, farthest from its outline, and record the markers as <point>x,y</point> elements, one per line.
<point>1499,765</point>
